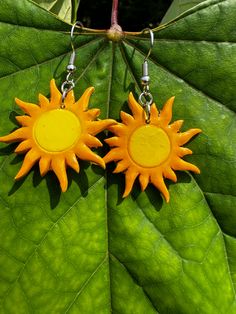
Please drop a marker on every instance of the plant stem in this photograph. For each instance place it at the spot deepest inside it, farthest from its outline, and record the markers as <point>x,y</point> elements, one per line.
<point>114,12</point>
<point>115,32</point>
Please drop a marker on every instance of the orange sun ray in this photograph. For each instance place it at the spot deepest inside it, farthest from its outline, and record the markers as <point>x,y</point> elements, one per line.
<point>144,180</point>
<point>113,155</point>
<point>154,113</point>
<point>98,126</point>
<point>169,174</point>
<point>23,147</point>
<point>181,164</point>
<point>85,153</point>
<point>28,108</point>
<point>113,141</point>
<point>121,166</point>
<point>182,151</point>
<point>92,113</point>
<point>130,176</point>
<point>55,94</point>
<point>16,136</point>
<point>92,141</point>
<point>30,159</point>
<point>70,99</point>
<point>84,99</point>
<point>44,165</point>
<point>150,151</point>
<point>166,112</point>
<point>126,118</point>
<point>119,129</point>
<point>23,120</point>
<point>176,125</point>
<point>43,101</point>
<point>159,183</point>
<point>58,165</point>
<point>186,136</point>
<point>72,161</point>
<point>134,106</point>
<point>55,137</point>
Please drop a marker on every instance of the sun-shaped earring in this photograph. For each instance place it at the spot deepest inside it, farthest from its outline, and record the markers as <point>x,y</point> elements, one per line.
<point>58,131</point>
<point>145,145</point>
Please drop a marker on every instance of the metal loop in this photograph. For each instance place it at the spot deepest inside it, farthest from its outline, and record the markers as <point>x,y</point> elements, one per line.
<point>147,109</point>
<point>67,86</point>
<point>64,93</point>
<point>151,41</point>
<point>69,77</point>
<point>146,102</point>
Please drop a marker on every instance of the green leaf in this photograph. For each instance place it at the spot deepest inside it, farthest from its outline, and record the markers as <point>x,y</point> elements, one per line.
<point>177,7</point>
<point>75,6</point>
<point>65,9</point>
<point>87,250</point>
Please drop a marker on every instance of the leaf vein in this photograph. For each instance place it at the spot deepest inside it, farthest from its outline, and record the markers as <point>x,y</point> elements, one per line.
<point>44,237</point>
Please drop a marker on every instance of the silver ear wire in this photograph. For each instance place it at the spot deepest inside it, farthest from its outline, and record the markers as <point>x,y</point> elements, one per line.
<point>71,67</point>
<point>151,42</point>
<point>69,83</point>
<point>145,98</point>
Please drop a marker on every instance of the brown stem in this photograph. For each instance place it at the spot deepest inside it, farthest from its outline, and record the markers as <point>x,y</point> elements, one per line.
<point>114,12</point>
<point>115,32</point>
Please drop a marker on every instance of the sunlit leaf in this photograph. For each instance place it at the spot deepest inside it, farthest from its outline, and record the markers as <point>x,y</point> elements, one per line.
<point>177,7</point>
<point>65,9</point>
<point>87,250</point>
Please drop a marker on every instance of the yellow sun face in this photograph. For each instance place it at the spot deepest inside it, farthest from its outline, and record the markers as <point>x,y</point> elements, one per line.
<point>149,151</point>
<point>57,137</point>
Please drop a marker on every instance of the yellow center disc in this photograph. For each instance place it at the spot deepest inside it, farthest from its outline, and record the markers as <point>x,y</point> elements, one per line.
<point>57,130</point>
<point>149,146</point>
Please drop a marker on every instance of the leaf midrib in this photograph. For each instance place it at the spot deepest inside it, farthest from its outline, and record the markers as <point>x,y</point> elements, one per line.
<point>106,178</point>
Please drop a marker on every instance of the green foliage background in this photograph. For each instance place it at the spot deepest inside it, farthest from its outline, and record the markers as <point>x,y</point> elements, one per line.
<point>87,250</point>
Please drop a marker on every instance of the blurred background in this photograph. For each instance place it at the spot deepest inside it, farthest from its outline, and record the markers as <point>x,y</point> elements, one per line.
<point>133,14</point>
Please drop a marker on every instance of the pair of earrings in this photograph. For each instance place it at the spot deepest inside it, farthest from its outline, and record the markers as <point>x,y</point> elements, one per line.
<point>58,132</point>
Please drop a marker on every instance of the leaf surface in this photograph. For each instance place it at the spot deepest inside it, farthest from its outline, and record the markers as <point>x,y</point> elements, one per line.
<point>65,9</point>
<point>177,7</point>
<point>87,250</point>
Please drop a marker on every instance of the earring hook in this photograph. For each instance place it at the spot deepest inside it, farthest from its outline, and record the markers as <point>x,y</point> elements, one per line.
<point>69,83</point>
<point>71,66</point>
<point>151,42</point>
<point>145,98</point>
<point>72,33</point>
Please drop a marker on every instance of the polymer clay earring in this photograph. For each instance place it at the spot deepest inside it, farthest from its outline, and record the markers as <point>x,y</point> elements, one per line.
<point>58,131</point>
<point>145,144</point>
